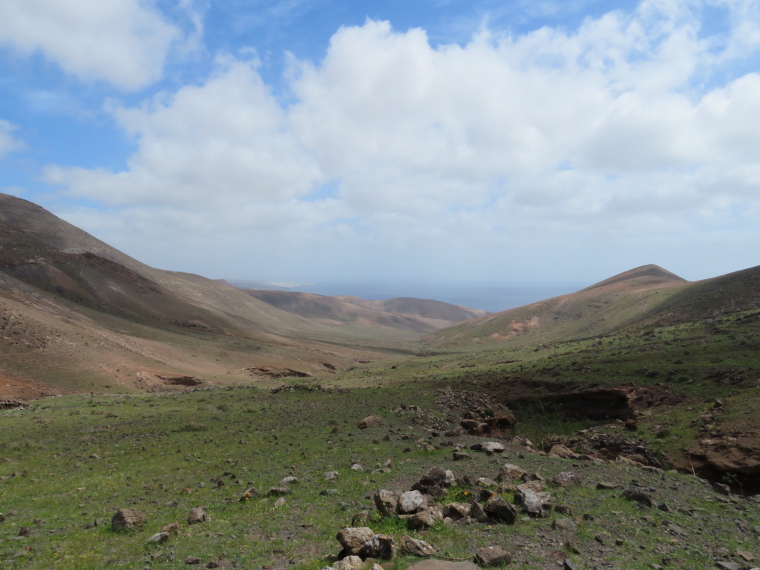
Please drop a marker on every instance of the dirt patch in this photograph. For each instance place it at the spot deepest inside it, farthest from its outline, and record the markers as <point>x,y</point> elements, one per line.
<point>182,381</point>
<point>12,389</point>
<point>272,372</point>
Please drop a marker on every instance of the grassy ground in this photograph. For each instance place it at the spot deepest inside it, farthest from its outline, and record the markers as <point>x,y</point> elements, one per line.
<point>78,458</point>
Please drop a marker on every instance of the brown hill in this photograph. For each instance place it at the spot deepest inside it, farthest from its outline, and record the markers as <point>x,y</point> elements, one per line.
<point>599,309</point>
<point>406,313</point>
<point>75,313</point>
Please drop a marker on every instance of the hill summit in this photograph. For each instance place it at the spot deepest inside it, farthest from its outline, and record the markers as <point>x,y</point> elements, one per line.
<point>646,276</point>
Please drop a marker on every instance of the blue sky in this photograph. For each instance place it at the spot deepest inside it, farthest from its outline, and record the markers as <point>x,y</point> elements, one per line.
<point>472,142</point>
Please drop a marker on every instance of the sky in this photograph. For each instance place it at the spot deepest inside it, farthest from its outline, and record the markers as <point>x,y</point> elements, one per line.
<point>463,142</point>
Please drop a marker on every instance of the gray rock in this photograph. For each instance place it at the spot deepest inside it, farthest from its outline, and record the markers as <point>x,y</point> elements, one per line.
<point>500,510</point>
<point>331,475</point>
<point>566,479</point>
<point>492,556</point>
<point>509,472</point>
<point>357,467</point>
<point>457,511</point>
<point>278,492</point>
<point>538,504</point>
<point>491,447</point>
<point>197,515</point>
<point>159,538</point>
<point>411,502</point>
<point>249,494</point>
<point>371,421</point>
<point>460,455</point>
<point>486,482</point>
<point>607,486</point>
<point>386,502</point>
<point>423,520</point>
<point>415,547</point>
<point>127,519</point>
<point>288,481</point>
<point>379,546</point>
<point>569,565</point>
<point>565,525</point>
<point>349,563</point>
<point>478,513</point>
<point>328,492</point>
<point>353,538</point>
<point>638,496</point>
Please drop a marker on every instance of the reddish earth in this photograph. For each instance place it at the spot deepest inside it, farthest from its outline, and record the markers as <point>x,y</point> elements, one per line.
<point>11,389</point>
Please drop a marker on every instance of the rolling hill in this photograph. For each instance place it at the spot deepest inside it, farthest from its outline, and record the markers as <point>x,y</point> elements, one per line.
<point>644,295</point>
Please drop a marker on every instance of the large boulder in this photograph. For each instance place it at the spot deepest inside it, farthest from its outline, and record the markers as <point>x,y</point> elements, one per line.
<point>411,502</point>
<point>386,502</point>
<point>498,509</point>
<point>353,538</point>
<point>379,546</point>
<point>371,421</point>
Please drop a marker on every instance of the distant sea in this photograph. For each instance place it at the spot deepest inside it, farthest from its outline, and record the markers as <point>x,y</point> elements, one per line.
<point>487,297</point>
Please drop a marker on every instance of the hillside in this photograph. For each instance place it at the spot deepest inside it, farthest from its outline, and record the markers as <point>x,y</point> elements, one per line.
<point>406,313</point>
<point>77,314</point>
<point>606,306</point>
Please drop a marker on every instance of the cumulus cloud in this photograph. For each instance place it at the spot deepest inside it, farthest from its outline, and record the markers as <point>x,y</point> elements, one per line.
<point>123,42</point>
<point>631,125</point>
<point>8,142</point>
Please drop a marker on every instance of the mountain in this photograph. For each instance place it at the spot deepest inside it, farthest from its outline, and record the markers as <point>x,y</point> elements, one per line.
<point>644,294</point>
<point>76,313</point>
<point>421,315</point>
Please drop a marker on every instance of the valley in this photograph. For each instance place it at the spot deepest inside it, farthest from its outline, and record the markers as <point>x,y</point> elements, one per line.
<point>130,387</point>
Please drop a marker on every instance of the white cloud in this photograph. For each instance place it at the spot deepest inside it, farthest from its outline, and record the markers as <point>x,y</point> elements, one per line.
<point>123,42</point>
<point>8,142</point>
<point>624,127</point>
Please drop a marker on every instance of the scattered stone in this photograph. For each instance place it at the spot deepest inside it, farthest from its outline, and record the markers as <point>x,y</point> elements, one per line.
<point>357,467</point>
<point>509,472</point>
<point>569,565</point>
<point>331,475</point>
<point>328,492</point>
<point>486,482</point>
<point>457,511</point>
<point>386,502</point>
<point>728,565</point>
<point>360,518</point>
<point>423,520</point>
<point>565,525</point>
<point>379,546</point>
<point>566,479</point>
<point>639,496</point>
<point>289,481</point>
<point>491,447</point>
<point>411,502</point>
<point>371,421</point>
<point>279,502</point>
<point>492,556</point>
<point>127,519</point>
<point>352,538</point>
<point>349,563</point>
<point>171,529</point>
<point>460,455</point>
<point>159,538</point>
<point>192,560</point>
<point>415,547</point>
<point>198,515</point>
<point>249,494</point>
<point>500,510</point>
<point>748,556</point>
<point>538,504</point>
<point>607,486</point>
<point>278,492</point>
<point>478,513</point>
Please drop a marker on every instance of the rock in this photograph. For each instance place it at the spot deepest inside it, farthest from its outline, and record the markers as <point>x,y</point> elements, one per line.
<point>197,515</point>
<point>386,502</point>
<point>371,421</point>
<point>566,479</point>
<point>491,447</point>
<point>331,475</point>
<point>500,510</point>
<point>289,481</point>
<point>360,518</point>
<point>250,494</point>
<point>631,425</point>
<point>415,547</point>
<point>171,529</point>
<point>509,472</point>
<point>443,565</point>
<point>357,467</point>
<point>492,556</point>
<point>423,520</point>
<point>728,565</point>
<point>279,502</point>
<point>328,492</point>
<point>159,538</point>
<point>278,492</point>
<point>411,502</point>
<point>379,546</point>
<point>349,563</point>
<point>457,511</point>
<point>562,452</point>
<point>127,519</point>
<point>569,565</point>
<point>192,560</point>
<point>486,482</point>
<point>460,455</point>
<point>478,513</point>
<point>565,525</point>
<point>352,538</point>
<point>748,556</point>
<point>638,496</point>
<point>607,486</point>
<point>538,504</point>
<point>721,488</point>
